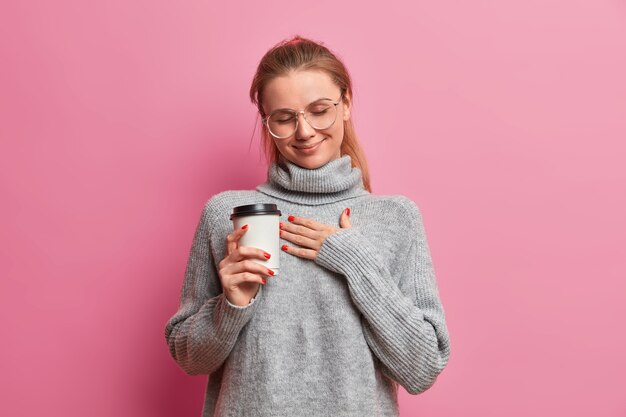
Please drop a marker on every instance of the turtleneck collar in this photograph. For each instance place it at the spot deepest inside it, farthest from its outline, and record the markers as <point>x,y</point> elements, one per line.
<point>335,181</point>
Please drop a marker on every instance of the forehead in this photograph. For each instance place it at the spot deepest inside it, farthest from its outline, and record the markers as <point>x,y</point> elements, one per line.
<point>297,89</point>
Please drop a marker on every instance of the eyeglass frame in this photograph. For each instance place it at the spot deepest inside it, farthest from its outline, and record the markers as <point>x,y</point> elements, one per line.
<point>303,111</point>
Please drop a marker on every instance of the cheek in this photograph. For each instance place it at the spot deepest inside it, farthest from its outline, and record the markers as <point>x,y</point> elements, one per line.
<point>280,145</point>
<point>337,131</point>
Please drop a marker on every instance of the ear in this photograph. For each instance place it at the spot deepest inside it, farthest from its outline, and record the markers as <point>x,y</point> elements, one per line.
<point>347,106</point>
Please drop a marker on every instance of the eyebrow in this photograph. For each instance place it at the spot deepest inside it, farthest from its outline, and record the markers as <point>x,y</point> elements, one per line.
<point>314,101</point>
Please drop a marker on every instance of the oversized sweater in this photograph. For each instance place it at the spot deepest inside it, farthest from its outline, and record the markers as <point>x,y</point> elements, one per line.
<point>332,336</point>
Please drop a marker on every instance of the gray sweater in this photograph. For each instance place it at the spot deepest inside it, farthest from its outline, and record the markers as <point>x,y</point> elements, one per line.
<point>329,337</point>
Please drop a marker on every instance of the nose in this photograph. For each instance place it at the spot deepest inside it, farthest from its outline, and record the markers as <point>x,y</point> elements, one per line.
<point>304,130</point>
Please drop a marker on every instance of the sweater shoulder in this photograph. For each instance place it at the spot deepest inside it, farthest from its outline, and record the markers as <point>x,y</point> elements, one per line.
<point>221,204</point>
<point>393,205</point>
<point>393,221</point>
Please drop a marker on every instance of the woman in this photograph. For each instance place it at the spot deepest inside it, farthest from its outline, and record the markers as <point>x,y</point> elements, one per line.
<point>355,310</point>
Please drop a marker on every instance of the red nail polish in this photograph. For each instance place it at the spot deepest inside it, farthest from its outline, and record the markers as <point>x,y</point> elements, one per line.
<point>348,211</point>
<point>269,271</point>
<point>264,280</point>
<point>290,218</point>
<point>280,225</point>
<point>284,247</point>
<point>245,226</point>
<point>267,255</point>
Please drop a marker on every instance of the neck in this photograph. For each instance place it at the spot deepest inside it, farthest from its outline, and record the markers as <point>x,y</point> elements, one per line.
<point>335,181</point>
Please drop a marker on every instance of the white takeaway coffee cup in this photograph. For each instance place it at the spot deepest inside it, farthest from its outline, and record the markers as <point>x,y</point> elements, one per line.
<point>263,232</point>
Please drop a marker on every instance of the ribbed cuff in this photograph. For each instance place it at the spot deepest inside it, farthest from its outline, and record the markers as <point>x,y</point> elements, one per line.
<point>231,318</point>
<point>247,305</point>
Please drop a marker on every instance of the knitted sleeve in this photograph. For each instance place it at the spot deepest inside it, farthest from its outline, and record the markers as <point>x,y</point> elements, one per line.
<point>205,328</point>
<point>405,329</point>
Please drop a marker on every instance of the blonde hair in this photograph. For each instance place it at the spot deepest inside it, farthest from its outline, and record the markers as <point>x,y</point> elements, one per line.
<point>300,53</point>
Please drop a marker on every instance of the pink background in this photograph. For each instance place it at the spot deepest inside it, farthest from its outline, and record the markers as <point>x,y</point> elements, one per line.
<point>504,120</point>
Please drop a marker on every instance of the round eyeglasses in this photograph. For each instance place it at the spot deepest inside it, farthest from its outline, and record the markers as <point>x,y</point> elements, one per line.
<point>321,114</point>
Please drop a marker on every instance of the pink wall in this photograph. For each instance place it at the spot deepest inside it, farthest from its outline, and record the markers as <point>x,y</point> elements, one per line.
<point>504,120</point>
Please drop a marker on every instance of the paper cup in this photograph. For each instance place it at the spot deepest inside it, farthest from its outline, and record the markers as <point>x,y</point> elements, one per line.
<point>262,220</point>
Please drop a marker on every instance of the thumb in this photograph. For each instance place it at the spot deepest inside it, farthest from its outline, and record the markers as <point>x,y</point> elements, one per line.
<point>344,221</point>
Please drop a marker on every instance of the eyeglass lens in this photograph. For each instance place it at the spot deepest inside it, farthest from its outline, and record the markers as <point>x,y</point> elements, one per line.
<point>320,115</point>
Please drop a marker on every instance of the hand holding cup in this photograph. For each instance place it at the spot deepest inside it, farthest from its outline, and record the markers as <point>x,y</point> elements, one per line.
<point>239,275</point>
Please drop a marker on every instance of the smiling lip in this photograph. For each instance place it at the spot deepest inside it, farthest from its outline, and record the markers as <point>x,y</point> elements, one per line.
<point>309,149</point>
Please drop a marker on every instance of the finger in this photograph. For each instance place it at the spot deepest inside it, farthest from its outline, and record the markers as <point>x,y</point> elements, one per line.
<point>233,239</point>
<point>300,252</point>
<point>299,230</point>
<point>300,240</point>
<point>304,221</point>
<point>344,220</point>
<point>248,265</point>
<point>243,252</point>
<point>238,279</point>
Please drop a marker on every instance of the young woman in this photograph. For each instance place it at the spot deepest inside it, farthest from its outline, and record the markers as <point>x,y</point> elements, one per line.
<point>355,310</point>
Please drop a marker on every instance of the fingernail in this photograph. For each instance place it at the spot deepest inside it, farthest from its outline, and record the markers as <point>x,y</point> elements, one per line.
<point>245,226</point>
<point>264,280</point>
<point>348,211</point>
<point>267,255</point>
<point>280,225</point>
<point>284,247</point>
<point>290,218</point>
<point>269,271</point>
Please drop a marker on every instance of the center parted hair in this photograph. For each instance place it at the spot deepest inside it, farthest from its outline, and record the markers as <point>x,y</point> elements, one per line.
<point>302,54</point>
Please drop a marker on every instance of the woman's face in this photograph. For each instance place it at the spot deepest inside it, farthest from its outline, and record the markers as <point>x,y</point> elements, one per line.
<point>296,91</point>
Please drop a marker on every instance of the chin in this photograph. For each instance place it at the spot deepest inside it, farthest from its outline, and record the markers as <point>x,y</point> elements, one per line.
<point>311,162</point>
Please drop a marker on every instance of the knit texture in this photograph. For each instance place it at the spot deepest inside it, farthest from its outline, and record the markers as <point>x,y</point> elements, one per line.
<point>332,336</point>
